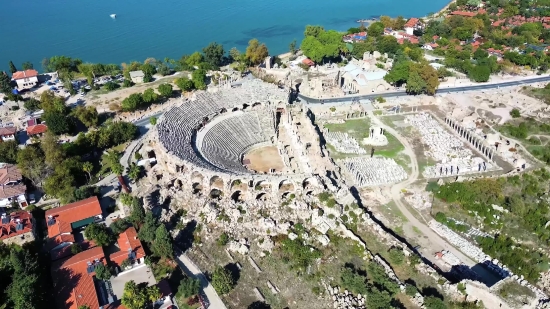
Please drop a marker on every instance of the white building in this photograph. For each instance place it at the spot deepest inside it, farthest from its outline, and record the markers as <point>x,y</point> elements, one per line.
<point>137,76</point>
<point>7,133</point>
<point>25,79</point>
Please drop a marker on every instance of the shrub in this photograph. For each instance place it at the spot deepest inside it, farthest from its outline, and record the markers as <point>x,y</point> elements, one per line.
<point>380,99</point>
<point>110,86</point>
<point>397,257</point>
<point>410,290</point>
<point>351,280</point>
<point>222,280</point>
<point>223,240</point>
<point>188,287</point>
<point>515,113</point>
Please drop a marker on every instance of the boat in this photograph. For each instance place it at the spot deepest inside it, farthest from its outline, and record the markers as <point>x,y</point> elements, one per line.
<point>113,15</point>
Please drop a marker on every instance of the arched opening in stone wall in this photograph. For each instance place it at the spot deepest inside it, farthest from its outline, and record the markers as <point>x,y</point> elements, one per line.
<point>197,177</point>
<point>285,195</point>
<point>309,193</point>
<point>216,182</point>
<point>310,182</point>
<point>215,194</point>
<point>286,185</point>
<point>178,183</point>
<point>197,188</point>
<point>237,196</point>
<point>235,109</point>
<point>256,104</point>
<point>262,185</point>
<point>245,106</point>
<point>238,184</point>
<point>223,110</point>
<point>262,196</point>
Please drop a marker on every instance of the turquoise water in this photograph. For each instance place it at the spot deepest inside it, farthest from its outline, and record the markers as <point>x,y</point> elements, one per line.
<point>34,29</point>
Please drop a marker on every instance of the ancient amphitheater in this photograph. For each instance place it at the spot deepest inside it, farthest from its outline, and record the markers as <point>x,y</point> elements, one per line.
<point>242,142</point>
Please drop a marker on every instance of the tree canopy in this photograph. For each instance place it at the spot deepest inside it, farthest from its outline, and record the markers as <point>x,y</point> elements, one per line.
<point>256,52</point>
<point>139,296</point>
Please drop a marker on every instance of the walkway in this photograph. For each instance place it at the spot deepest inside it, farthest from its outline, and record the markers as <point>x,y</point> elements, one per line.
<point>433,237</point>
<point>193,270</point>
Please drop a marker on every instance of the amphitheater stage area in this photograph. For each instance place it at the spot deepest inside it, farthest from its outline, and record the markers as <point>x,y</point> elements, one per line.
<point>264,160</point>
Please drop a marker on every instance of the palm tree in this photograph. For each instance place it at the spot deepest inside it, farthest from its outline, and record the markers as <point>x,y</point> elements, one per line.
<point>88,167</point>
<point>134,171</point>
<point>117,168</point>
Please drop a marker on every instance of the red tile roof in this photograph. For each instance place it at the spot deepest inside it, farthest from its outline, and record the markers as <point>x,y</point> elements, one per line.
<point>9,230</point>
<point>411,22</point>
<point>9,173</point>
<point>12,190</point>
<point>127,241</point>
<point>37,129</point>
<point>24,74</point>
<point>308,62</point>
<point>72,282</point>
<point>7,131</point>
<point>71,213</point>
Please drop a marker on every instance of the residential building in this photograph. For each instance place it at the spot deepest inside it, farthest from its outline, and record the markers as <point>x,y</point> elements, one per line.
<point>137,76</point>
<point>75,282</point>
<point>37,130</point>
<point>25,79</point>
<point>7,133</point>
<point>130,249</point>
<point>411,25</point>
<point>17,228</point>
<point>63,220</point>
<point>12,188</point>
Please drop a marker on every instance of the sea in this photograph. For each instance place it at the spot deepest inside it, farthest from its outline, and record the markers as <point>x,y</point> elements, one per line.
<point>35,29</point>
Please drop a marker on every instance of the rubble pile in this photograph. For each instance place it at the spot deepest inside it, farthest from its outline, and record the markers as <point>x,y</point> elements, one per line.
<point>343,143</point>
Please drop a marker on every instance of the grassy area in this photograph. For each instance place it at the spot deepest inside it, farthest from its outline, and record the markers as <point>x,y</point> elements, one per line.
<point>104,166</point>
<point>524,130</point>
<point>357,128</point>
<point>515,293</point>
<point>542,94</point>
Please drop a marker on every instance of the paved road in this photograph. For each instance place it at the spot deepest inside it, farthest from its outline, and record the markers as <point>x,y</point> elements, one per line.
<point>439,91</point>
<point>433,237</point>
<point>193,270</point>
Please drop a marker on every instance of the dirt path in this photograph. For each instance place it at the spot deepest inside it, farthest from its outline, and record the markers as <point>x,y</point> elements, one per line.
<point>432,242</point>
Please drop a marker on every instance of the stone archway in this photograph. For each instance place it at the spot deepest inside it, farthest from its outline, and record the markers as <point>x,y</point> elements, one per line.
<point>262,196</point>
<point>215,194</point>
<point>216,182</point>
<point>262,185</point>
<point>197,177</point>
<point>238,184</point>
<point>286,185</point>
<point>197,188</point>
<point>310,182</point>
<point>238,196</point>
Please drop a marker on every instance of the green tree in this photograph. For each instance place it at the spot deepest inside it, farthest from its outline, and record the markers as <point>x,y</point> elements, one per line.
<point>199,79</point>
<point>515,113</point>
<point>480,73</point>
<point>256,52</point>
<point>119,226</point>
<point>53,153</point>
<point>148,68</point>
<point>397,257</point>
<point>188,287</point>
<point>87,115</point>
<point>149,96</point>
<point>222,280</point>
<point>134,171</point>
<point>76,248</point>
<point>27,65</point>
<point>83,307</point>
<point>13,69</point>
<point>24,289</point>
<point>32,104</point>
<point>30,161</point>
<point>194,59</point>
<point>137,213</point>
<point>88,167</point>
<point>110,86</point>
<point>5,86</point>
<point>153,121</point>
<point>132,102</point>
<point>375,29</point>
<point>163,69</point>
<point>165,90</point>
<point>313,31</point>
<point>410,290</point>
<point>58,123</point>
<point>162,246</point>
<point>139,296</point>
<point>9,151</point>
<point>127,83</point>
<point>184,83</point>
<point>117,169</point>
<point>213,54</point>
<point>353,281</point>
<point>99,234</point>
<point>378,299</point>
<point>147,230</point>
<point>432,302</point>
<point>102,272</point>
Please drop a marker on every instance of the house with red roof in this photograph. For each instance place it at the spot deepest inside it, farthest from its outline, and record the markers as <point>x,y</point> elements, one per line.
<point>411,25</point>
<point>7,133</point>
<point>63,220</point>
<point>12,187</point>
<point>25,79</point>
<point>17,228</point>
<point>37,130</point>
<point>131,250</point>
<point>75,283</point>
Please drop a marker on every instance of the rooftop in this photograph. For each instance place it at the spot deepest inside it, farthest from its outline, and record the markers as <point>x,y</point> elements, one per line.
<point>137,74</point>
<point>14,224</point>
<point>64,216</point>
<point>9,173</point>
<point>12,190</point>
<point>411,22</point>
<point>128,244</point>
<point>37,129</point>
<point>74,279</point>
<point>24,74</point>
<point>7,131</point>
